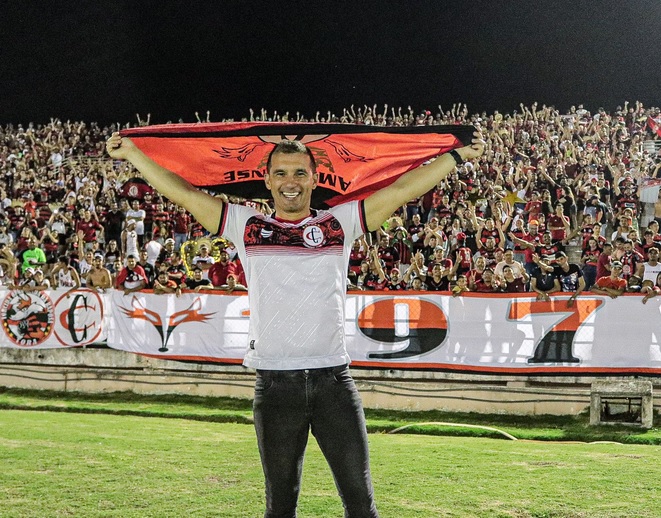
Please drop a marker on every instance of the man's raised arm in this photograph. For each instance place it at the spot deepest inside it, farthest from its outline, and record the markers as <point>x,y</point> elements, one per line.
<point>380,205</point>
<point>203,206</point>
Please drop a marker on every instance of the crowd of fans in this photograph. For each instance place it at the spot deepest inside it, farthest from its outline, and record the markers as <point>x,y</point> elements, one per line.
<point>70,216</point>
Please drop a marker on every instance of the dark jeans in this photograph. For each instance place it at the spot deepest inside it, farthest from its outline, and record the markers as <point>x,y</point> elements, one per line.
<point>290,403</point>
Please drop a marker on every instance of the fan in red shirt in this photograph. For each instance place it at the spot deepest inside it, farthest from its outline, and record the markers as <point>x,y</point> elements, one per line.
<point>558,224</point>
<point>220,270</point>
<point>612,285</point>
<point>88,227</point>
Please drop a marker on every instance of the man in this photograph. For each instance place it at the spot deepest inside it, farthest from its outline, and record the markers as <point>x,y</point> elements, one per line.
<point>153,249</point>
<point>113,223</point>
<point>570,277</point>
<point>612,285</point>
<point>630,259</point>
<point>395,282</point>
<point>64,275</point>
<point>177,270</point>
<point>203,260</point>
<point>650,270</point>
<point>32,256</point>
<point>219,271</point>
<point>130,242</point>
<point>132,277</point>
<point>150,270</point>
<point>439,278</point>
<point>417,232</point>
<point>98,278</point>
<point>166,253</point>
<point>604,261</point>
<point>296,330</point>
<point>198,282</point>
<point>508,260</point>
<point>489,251</point>
<point>138,216</point>
<point>544,282</point>
<point>388,253</point>
<point>232,285</point>
<point>528,242</point>
<point>487,283</point>
<point>90,228</point>
<point>181,223</point>
<point>163,284</point>
<point>558,224</point>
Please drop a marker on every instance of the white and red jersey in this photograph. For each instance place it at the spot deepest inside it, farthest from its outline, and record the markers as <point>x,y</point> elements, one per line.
<point>296,273</point>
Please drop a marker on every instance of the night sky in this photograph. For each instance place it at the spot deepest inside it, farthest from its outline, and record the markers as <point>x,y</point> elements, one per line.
<point>105,61</point>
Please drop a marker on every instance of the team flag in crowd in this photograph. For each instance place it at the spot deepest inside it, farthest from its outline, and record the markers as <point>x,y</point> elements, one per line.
<point>352,160</point>
<point>655,125</point>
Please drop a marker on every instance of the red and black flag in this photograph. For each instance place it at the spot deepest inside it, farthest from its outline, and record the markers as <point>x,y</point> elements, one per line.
<point>352,161</point>
<point>655,125</point>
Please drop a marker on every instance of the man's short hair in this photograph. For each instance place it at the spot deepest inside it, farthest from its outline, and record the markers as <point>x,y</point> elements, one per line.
<point>291,147</point>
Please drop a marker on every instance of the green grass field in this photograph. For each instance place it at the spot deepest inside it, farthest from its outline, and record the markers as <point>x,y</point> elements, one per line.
<point>108,465</point>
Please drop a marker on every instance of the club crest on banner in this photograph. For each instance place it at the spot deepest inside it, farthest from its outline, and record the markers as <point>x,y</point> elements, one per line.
<point>166,325</point>
<point>79,317</point>
<point>27,317</point>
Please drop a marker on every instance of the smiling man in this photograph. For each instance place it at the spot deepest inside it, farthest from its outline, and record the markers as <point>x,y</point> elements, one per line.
<point>296,262</point>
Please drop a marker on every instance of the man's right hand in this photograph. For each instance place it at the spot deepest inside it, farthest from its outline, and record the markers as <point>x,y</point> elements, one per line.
<point>119,147</point>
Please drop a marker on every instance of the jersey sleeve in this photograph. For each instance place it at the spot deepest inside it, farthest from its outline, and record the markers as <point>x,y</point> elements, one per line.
<point>352,218</point>
<point>233,220</point>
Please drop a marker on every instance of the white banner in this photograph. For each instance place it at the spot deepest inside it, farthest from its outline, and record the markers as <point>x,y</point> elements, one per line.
<point>472,333</point>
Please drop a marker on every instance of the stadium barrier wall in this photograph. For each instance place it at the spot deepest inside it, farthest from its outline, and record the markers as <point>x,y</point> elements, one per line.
<point>508,354</point>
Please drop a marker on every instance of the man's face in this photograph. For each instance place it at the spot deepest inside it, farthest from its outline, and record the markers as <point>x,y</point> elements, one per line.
<point>98,262</point>
<point>654,254</point>
<point>135,205</point>
<point>416,219</point>
<point>130,262</point>
<point>143,256</point>
<point>197,275</point>
<point>163,277</point>
<point>291,182</point>
<point>224,257</point>
<point>509,256</point>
